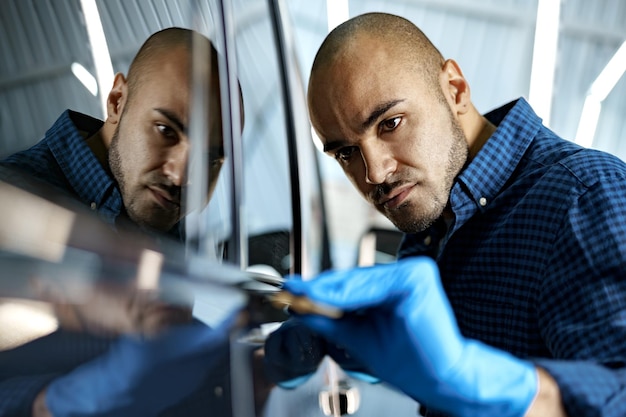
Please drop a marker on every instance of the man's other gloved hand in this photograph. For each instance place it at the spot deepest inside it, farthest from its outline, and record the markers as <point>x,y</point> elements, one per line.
<point>141,377</point>
<point>293,353</point>
<point>398,321</point>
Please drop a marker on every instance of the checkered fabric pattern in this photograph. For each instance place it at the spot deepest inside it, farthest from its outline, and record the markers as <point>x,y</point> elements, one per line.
<point>535,261</point>
<point>63,159</point>
<point>27,369</point>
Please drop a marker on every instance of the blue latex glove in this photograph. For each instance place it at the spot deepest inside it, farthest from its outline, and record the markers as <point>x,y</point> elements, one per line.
<point>399,323</point>
<point>141,377</point>
<point>293,353</point>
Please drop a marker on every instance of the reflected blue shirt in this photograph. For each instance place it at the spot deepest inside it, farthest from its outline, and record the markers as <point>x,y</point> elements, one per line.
<point>535,261</point>
<point>63,159</point>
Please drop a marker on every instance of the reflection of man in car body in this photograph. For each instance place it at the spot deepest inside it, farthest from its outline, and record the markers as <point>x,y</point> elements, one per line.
<point>142,146</point>
<point>132,166</point>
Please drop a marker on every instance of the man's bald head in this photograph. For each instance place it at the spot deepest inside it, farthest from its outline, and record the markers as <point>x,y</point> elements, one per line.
<point>391,111</point>
<point>408,40</point>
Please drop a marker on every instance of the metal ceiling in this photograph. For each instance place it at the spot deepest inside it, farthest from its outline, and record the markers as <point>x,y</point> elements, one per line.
<point>39,41</point>
<point>491,39</point>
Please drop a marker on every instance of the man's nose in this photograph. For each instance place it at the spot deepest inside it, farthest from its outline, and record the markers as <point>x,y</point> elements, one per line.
<point>379,162</point>
<point>175,167</point>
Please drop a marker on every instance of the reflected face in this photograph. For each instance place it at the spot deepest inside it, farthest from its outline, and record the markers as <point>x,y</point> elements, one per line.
<point>150,149</point>
<point>394,136</point>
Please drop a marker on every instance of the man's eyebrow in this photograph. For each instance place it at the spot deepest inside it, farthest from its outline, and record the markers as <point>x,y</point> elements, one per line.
<point>374,115</point>
<point>377,112</point>
<point>331,146</point>
<point>172,117</point>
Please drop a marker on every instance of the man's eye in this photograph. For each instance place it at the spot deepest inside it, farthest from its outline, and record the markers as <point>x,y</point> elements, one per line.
<point>344,154</point>
<point>390,124</point>
<point>167,131</point>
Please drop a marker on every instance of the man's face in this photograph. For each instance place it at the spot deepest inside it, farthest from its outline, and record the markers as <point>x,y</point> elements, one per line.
<point>150,148</point>
<point>395,138</point>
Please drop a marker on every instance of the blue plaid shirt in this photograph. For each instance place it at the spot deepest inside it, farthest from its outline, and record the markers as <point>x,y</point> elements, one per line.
<point>535,260</point>
<point>63,159</point>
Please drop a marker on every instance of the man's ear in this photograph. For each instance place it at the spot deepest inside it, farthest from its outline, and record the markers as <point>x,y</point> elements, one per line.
<point>117,98</point>
<point>456,87</point>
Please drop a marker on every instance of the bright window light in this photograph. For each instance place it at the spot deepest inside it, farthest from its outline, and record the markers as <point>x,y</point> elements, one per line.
<point>85,77</point>
<point>610,75</point>
<point>338,11</point>
<point>149,270</point>
<point>23,321</point>
<point>598,92</point>
<point>544,58</point>
<point>588,121</point>
<point>99,50</point>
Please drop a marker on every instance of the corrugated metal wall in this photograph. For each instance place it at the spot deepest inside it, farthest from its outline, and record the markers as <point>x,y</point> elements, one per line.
<point>591,32</point>
<point>39,41</point>
<point>491,39</point>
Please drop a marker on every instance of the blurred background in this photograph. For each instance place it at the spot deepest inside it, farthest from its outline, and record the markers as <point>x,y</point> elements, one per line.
<point>564,56</point>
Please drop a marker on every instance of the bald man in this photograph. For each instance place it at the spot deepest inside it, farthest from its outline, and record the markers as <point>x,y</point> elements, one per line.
<point>132,355</point>
<point>509,297</point>
<point>133,165</point>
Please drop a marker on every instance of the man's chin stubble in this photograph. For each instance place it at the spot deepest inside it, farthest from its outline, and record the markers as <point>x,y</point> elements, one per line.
<point>410,223</point>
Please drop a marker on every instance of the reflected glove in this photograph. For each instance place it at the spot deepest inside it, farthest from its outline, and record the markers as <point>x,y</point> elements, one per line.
<point>141,377</point>
<point>293,353</point>
<point>398,321</point>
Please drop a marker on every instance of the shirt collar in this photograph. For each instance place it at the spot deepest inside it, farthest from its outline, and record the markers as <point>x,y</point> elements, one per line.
<point>485,176</point>
<point>483,179</point>
<point>88,178</point>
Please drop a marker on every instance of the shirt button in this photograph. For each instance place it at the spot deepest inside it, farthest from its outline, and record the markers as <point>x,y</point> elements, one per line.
<point>218,391</point>
<point>93,205</point>
<point>427,240</point>
<point>482,201</point>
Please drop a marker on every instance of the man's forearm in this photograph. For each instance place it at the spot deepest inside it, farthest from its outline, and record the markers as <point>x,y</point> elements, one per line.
<point>548,399</point>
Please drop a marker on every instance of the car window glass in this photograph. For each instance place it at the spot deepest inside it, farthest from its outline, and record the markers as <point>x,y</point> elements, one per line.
<point>266,211</point>
<point>52,62</point>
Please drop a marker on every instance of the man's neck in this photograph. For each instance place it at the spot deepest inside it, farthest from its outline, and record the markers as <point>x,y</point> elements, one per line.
<point>485,133</point>
<point>96,144</point>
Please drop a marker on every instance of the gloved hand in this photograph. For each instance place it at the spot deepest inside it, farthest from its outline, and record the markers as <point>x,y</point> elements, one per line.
<point>293,353</point>
<point>399,323</point>
<point>141,377</point>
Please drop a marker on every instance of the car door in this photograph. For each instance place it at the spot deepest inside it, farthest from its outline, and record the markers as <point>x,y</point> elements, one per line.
<point>267,212</point>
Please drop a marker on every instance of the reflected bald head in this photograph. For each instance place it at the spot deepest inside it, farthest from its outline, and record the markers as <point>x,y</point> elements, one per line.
<point>405,39</point>
<point>154,50</point>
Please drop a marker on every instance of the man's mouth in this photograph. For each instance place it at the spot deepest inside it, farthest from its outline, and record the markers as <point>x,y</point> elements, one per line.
<point>165,198</point>
<point>395,197</point>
